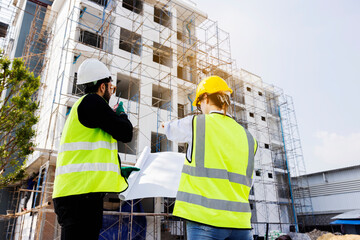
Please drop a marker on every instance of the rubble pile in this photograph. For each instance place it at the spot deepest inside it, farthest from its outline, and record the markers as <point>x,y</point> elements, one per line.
<point>315,234</point>
<point>330,236</point>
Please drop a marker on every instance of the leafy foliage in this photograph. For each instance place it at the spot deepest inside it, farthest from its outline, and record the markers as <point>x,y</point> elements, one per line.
<point>17,117</point>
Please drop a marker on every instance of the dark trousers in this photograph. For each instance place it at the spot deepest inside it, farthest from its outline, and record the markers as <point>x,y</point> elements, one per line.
<point>80,216</point>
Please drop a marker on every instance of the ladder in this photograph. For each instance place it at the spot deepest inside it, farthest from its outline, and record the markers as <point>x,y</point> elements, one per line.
<point>40,185</point>
<point>12,205</point>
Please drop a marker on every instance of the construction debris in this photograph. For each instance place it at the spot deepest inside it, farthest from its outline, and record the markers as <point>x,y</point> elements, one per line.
<point>330,236</point>
<point>323,235</point>
<point>315,234</point>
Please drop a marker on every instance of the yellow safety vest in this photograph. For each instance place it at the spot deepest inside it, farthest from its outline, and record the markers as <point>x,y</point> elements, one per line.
<point>87,160</point>
<point>214,187</point>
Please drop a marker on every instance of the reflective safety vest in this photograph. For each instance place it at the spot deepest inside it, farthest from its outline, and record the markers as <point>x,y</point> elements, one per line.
<point>214,187</point>
<point>87,160</point>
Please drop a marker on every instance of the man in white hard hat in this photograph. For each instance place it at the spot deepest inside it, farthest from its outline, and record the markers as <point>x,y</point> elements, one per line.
<point>87,165</point>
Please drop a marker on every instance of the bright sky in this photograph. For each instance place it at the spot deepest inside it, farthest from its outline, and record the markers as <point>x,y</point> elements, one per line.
<point>311,49</point>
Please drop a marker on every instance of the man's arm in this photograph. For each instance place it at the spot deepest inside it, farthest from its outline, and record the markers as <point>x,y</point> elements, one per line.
<point>94,112</point>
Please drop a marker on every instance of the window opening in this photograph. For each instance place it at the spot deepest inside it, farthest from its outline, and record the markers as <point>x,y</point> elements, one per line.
<point>130,41</point>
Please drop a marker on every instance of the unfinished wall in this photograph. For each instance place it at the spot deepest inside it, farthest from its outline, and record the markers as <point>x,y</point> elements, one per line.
<point>157,52</point>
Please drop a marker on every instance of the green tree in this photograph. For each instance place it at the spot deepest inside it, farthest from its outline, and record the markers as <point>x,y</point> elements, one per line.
<point>17,117</point>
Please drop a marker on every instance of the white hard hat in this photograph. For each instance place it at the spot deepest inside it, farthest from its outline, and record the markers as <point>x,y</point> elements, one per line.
<point>92,70</point>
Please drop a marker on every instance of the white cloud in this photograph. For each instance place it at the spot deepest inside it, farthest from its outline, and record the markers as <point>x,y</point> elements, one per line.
<point>335,151</point>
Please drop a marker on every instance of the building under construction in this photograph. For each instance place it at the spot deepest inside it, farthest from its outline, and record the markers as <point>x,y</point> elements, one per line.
<point>157,52</point>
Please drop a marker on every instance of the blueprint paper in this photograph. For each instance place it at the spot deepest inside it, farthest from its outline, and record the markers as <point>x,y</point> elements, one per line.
<point>159,175</point>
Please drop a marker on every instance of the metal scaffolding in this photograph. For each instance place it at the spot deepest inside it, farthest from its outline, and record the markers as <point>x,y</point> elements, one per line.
<point>184,46</point>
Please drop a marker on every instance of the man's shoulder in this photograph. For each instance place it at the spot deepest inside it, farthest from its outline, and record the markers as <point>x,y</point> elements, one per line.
<point>92,110</point>
<point>93,99</point>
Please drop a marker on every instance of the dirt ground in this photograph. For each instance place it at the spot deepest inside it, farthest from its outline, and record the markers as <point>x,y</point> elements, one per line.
<point>330,236</point>
<point>321,235</point>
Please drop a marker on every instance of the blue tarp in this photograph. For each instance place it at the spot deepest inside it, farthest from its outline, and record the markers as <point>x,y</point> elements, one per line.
<point>346,222</point>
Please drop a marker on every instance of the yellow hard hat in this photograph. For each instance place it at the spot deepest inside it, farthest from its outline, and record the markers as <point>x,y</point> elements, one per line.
<point>211,85</point>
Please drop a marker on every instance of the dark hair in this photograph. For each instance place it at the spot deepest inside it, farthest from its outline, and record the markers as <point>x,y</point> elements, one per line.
<point>284,237</point>
<point>219,99</point>
<point>91,88</point>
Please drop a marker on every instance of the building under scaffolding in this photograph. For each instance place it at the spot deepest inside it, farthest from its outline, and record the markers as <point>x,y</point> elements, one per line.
<point>157,52</point>
<point>7,15</point>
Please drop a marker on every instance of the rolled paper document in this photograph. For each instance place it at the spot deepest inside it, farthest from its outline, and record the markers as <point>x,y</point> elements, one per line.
<point>159,175</point>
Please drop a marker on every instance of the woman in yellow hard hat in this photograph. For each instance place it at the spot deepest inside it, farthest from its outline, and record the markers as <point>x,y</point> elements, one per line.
<point>217,175</point>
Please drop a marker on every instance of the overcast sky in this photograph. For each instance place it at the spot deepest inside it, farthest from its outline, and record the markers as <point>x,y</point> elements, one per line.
<point>311,49</point>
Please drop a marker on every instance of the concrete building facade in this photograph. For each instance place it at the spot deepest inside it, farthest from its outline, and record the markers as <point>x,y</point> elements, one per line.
<point>157,52</point>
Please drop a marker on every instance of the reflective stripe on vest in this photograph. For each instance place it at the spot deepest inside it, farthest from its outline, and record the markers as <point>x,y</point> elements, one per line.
<point>87,146</point>
<point>229,209</point>
<point>213,203</point>
<point>87,160</point>
<point>82,167</point>
<point>201,171</point>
